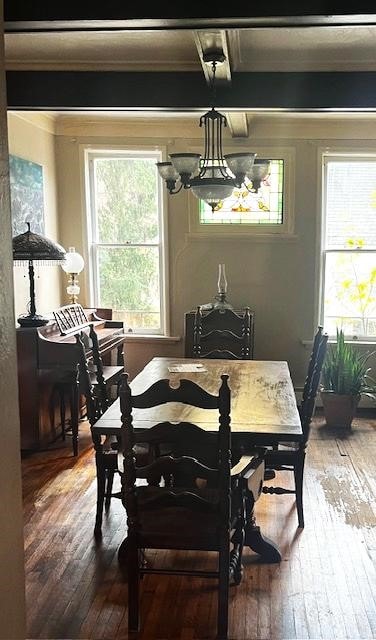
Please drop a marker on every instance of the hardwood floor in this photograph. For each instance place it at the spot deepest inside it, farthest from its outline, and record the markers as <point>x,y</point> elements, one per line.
<point>324,588</point>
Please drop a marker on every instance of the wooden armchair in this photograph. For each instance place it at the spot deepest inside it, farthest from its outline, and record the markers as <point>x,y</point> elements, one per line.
<point>291,456</point>
<point>222,333</point>
<point>189,498</point>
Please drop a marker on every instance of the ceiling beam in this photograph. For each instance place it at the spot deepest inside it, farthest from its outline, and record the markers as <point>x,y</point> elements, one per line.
<point>214,40</point>
<point>163,91</point>
<point>40,15</point>
<point>238,124</point>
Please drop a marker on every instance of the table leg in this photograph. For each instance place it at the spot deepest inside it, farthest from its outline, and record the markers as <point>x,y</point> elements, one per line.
<point>254,539</point>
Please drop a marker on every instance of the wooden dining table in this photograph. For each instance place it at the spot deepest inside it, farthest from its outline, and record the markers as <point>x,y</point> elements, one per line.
<point>263,411</point>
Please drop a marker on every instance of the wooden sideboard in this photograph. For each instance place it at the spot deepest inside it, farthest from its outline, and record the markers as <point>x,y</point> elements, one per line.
<point>45,358</point>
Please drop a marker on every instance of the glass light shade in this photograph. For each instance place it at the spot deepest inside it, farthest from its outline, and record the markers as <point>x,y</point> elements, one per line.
<point>215,171</point>
<point>212,190</point>
<point>222,281</point>
<point>185,163</point>
<point>259,170</point>
<point>167,171</point>
<point>240,163</point>
<point>74,262</point>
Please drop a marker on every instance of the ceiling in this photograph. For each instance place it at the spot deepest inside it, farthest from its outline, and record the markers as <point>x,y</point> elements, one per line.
<point>319,48</point>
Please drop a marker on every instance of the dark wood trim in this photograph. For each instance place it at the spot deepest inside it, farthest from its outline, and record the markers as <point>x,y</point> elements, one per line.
<point>79,14</point>
<point>164,91</point>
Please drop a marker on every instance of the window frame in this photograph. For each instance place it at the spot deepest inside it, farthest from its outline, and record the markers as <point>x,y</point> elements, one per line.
<point>198,230</point>
<point>327,156</point>
<point>90,153</point>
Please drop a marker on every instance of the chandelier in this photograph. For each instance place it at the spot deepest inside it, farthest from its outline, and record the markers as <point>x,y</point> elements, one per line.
<point>213,176</point>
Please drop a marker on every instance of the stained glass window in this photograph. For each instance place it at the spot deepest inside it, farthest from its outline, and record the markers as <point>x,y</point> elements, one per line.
<point>250,207</point>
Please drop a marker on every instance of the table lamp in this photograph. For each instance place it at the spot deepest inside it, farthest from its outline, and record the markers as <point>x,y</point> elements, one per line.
<point>73,265</point>
<point>31,247</point>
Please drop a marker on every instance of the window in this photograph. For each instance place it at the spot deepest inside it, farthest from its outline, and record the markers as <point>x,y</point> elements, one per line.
<point>349,246</point>
<point>126,242</point>
<point>264,206</point>
<point>265,215</point>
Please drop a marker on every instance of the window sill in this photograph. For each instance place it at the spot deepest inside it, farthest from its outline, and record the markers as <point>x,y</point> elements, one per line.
<point>142,337</point>
<point>241,235</point>
<point>309,343</point>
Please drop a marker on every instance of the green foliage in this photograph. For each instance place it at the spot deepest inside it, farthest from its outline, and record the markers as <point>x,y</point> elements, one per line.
<point>127,210</point>
<point>346,371</point>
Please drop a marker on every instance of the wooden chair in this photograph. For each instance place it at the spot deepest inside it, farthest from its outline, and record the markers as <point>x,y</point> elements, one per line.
<point>190,499</point>
<point>291,456</point>
<point>103,379</point>
<point>106,453</point>
<point>222,333</point>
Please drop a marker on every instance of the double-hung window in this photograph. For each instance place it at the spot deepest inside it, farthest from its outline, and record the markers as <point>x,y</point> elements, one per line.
<point>348,282</point>
<point>126,237</point>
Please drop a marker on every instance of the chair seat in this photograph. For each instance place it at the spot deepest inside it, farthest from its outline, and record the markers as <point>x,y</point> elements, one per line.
<point>163,528</point>
<point>111,374</point>
<point>280,457</point>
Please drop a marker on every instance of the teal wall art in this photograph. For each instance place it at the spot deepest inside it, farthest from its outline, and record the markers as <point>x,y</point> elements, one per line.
<point>26,195</point>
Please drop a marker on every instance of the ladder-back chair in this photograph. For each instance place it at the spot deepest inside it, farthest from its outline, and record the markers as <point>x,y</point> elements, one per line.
<point>291,456</point>
<point>189,498</point>
<point>223,333</point>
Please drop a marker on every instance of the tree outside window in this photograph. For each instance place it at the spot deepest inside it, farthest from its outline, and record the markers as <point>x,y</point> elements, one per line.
<point>126,237</point>
<point>349,247</point>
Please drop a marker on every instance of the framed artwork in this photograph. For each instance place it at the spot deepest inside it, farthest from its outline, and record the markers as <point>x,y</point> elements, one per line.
<point>26,195</point>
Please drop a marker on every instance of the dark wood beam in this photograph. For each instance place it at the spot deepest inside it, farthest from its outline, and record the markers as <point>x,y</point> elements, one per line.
<point>316,91</point>
<point>80,14</point>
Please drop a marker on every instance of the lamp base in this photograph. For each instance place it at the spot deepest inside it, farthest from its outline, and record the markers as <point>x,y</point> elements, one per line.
<point>222,302</point>
<point>32,320</point>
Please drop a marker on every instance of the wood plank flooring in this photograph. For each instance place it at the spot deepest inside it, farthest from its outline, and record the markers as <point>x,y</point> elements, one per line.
<point>324,588</point>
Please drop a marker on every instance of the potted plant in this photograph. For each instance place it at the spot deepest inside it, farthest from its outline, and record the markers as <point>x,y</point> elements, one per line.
<point>345,377</point>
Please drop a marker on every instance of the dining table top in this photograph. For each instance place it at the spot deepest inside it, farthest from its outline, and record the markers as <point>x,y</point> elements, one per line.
<point>263,403</point>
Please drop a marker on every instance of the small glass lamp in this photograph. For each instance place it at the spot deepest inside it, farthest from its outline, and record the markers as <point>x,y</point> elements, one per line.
<point>73,265</point>
<point>222,289</point>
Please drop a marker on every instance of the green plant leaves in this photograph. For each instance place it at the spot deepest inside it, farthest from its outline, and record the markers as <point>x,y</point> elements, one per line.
<point>346,371</point>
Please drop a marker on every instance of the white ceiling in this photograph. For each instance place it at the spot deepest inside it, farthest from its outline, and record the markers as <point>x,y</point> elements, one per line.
<point>320,48</point>
<point>351,48</point>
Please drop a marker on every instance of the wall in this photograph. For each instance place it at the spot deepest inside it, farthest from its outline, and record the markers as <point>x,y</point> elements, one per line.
<point>31,136</point>
<point>12,583</point>
<point>275,276</point>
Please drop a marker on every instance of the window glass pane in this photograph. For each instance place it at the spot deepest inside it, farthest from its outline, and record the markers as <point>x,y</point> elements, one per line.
<point>350,293</point>
<point>129,284</point>
<point>126,200</point>
<point>244,207</point>
<point>351,204</point>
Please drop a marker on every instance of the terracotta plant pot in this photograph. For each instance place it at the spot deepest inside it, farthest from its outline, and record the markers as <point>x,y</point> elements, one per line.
<point>339,410</point>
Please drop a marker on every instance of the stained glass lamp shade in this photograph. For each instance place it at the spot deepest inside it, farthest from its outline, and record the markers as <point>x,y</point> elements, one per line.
<point>28,248</point>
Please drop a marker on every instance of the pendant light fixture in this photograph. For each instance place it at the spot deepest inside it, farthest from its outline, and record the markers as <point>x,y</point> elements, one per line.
<point>213,176</point>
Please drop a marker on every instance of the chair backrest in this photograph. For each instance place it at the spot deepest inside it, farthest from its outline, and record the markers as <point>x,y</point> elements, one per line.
<point>187,458</point>
<point>70,318</point>
<point>222,333</point>
<point>311,384</point>
<point>98,363</point>
<point>95,406</point>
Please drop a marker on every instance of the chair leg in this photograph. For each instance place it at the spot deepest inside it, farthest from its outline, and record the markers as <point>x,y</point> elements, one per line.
<point>133,586</point>
<point>101,489</point>
<point>75,411</point>
<point>298,476</point>
<point>223,589</point>
<point>110,481</point>
<point>62,411</point>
